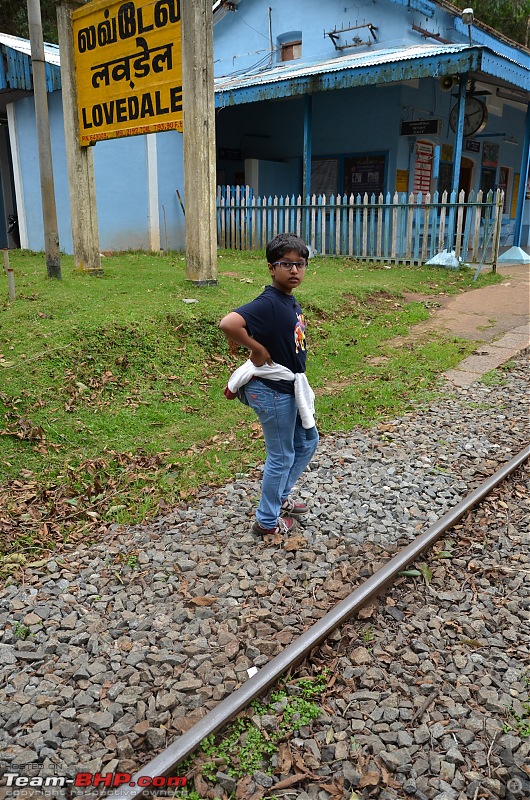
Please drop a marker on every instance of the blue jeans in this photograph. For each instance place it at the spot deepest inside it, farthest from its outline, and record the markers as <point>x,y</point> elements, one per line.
<point>290,447</point>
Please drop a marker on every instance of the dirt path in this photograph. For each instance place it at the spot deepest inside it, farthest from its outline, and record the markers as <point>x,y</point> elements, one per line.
<point>482,315</point>
<point>497,316</point>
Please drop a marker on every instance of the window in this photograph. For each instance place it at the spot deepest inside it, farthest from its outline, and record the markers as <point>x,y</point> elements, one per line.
<point>291,50</point>
<point>324,176</point>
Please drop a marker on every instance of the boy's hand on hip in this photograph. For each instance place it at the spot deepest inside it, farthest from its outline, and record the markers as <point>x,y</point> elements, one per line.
<point>260,356</point>
<point>234,328</point>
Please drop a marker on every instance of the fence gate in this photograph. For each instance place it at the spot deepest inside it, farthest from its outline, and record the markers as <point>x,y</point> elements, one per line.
<point>393,228</point>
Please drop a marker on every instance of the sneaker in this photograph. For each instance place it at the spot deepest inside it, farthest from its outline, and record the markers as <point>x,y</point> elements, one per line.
<point>293,509</point>
<point>285,525</point>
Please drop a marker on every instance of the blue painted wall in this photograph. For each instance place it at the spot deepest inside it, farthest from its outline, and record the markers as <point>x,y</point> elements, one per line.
<point>121,191</point>
<point>170,178</point>
<point>243,38</point>
<point>29,160</point>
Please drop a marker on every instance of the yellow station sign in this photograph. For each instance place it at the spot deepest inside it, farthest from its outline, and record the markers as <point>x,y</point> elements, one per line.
<point>128,61</point>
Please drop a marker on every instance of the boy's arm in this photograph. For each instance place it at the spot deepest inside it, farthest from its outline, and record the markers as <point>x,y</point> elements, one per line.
<point>234,328</point>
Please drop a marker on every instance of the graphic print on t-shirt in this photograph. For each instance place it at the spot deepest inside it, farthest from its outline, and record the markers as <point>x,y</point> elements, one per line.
<point>299,333</point>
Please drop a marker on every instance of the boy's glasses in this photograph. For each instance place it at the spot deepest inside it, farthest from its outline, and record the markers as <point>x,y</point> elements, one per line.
<point>288,265</point>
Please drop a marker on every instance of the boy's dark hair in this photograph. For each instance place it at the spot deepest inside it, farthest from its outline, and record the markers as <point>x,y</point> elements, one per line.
<point>284,242</point>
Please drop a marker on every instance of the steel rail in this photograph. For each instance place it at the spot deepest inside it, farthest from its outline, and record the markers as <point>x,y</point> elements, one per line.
<point>164,764</point>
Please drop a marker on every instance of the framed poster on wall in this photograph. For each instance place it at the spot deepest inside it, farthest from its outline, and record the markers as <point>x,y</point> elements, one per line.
<point>364,174</point>
<point>490,154</point>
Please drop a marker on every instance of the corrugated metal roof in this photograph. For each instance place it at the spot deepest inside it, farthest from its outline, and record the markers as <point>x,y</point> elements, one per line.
<point>371,58</point>
<point>51,51</point>
<point>15,64</point>
<point>370,67</point>
<point>345,72</point>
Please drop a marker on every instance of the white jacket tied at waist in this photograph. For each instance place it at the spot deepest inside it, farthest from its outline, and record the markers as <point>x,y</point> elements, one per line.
<point>304,395</point>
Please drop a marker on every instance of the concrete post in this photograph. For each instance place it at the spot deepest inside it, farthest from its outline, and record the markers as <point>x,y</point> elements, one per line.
<point>199,141</point>
<point>80,161</point>
<point>49,212</point>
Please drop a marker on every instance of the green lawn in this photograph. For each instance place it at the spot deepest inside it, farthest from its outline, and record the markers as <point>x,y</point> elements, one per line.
<point>111,402</point>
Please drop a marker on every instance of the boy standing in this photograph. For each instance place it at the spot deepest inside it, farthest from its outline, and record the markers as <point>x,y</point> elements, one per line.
<point>272,327</point>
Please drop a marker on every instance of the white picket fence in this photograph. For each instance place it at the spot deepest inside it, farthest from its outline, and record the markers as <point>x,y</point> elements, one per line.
<point>398,228</point>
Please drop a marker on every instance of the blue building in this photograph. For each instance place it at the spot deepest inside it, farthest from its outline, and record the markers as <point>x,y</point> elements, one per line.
<point>363,97</point>
<point>311,97</point>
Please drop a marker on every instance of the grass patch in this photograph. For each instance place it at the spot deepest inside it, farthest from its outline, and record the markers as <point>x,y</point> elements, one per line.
<point>111,402</point>
<point>253,738</point>
<point>518,723</point>
<point>493,378</point>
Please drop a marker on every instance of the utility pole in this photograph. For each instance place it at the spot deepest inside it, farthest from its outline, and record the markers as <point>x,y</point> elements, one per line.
<point>49,213</point>
<point>199,141</point>
<point>80,160</point>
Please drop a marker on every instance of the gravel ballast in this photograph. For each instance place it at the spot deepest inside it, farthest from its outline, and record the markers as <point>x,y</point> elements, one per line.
<point>111,650</point>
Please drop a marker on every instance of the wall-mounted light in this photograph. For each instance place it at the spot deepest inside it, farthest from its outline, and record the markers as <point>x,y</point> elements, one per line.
<point>468,18</point>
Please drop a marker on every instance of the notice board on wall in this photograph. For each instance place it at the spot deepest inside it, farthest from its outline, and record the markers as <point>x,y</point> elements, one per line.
<point>364,174</point>
<point>402,180</point>
<point>423,167</point>
<point>515,194</point>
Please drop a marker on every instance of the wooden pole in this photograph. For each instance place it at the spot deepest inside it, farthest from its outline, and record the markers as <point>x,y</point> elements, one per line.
<point>199,141</point>
<point>80,160</point>
<point>49,213</point>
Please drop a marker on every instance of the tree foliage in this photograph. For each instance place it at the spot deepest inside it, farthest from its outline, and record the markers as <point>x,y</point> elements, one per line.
<point>510,17</point>
<point>14,19</point>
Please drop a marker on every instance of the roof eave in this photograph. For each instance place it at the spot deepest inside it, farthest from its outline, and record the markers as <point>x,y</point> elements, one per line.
<point>407,69</point>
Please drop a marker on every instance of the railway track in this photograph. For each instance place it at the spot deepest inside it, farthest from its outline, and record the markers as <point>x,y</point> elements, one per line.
<point>167,762</point>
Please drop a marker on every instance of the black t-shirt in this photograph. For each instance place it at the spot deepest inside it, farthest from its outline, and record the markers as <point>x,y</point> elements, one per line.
<point>275,320</point>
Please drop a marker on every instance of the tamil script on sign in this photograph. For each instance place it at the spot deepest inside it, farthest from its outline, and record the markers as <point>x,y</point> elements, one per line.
<point>128,64</point>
